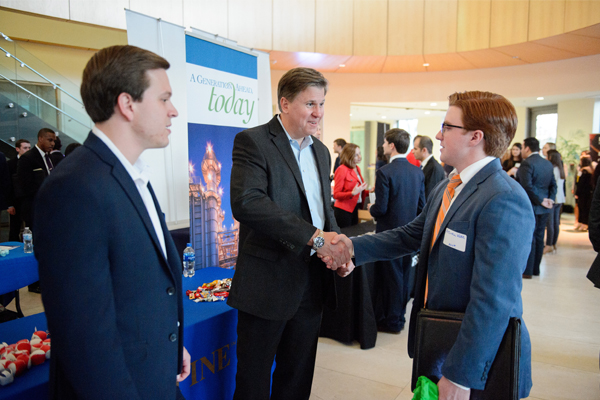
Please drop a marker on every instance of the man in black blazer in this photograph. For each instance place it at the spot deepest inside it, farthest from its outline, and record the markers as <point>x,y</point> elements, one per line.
<point>22,146</point>
<point>536,175</point>
<point>280,194</point>
<point>433,171</point>
<point>399,198</point>
<point>594,233</point>
<point>109,269</point>
<point>33,167</point>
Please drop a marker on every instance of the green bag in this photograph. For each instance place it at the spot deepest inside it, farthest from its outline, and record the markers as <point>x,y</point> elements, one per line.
<point>425,390</point>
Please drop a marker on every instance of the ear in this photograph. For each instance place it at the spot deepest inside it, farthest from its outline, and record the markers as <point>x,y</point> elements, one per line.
<point>284,104</point>
<point>477,137</point>
<point>125,106</point>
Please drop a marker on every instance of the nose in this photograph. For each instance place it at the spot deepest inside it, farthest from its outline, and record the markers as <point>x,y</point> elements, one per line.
<point>439,135</point>
<point>173,112</point>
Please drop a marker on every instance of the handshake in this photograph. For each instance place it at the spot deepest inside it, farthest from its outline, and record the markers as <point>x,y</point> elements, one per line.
<point>337,253</point>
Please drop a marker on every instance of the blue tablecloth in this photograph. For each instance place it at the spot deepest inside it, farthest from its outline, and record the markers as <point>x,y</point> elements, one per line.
<point>33,385</point>
<point>17,269</point>
<point>209,336</point>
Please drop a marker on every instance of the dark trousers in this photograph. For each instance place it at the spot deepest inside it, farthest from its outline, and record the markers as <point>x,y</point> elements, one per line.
<point>292,344</point>
<point>537,245</point>
<point>553,225</point>
<point>15,226</point>
<point>393,292</point>
<point>344,218</point>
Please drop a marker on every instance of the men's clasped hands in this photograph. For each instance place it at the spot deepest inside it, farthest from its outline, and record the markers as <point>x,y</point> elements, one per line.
<point>337,253</point>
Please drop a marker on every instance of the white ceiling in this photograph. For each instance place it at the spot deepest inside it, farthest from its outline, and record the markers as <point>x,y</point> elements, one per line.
<point>414,110</point>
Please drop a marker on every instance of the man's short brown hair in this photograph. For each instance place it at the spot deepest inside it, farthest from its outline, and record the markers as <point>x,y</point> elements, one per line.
<point>42,132</point>
<point>490,113</point>
<point>296,80</point>
<point>115,70</point>
<point>400,138</point>
<point>19,142</point>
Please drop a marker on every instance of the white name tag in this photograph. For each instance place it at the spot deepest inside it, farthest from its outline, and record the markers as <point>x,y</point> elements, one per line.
<point>457,241</point>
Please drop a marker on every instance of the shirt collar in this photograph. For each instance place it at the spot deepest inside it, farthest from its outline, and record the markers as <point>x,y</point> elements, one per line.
<point>139,171</point>
<point>305,143</point>
<point>425,161</point>
<point>40,150</point>
<point>470,171</point>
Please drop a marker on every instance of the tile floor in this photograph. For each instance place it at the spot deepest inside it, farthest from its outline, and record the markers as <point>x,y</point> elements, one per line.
<point>562,313</point>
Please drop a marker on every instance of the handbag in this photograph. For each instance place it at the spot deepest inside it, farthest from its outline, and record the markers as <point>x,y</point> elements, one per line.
<point>436,333</point>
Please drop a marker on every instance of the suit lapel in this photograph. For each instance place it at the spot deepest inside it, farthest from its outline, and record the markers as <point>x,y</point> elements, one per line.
<point>124,179</point>
<point>282,143</point>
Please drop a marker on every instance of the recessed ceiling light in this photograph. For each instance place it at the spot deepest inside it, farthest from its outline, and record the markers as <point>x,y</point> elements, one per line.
<point>433,104</point>
<point>540,98</point>
<point>350,114</point>
<point>383,117</point>
<point>426,65</point>
<point>342,65</point>
<point>427,112</point>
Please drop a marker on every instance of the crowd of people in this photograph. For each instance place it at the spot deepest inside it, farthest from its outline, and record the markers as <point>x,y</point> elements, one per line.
<point>121,288</point>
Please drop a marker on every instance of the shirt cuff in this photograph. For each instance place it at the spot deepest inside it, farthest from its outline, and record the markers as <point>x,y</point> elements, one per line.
<point>457,385</point>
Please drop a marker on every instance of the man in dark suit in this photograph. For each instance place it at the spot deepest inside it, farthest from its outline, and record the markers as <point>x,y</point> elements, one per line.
<point>22,146</point>
<point>338,146</point>
<point>433,171</point>
<point>536,175</point>
<point>594,233</point>
<point>110,272</point>
<point>33,168</point>
<point>399,198</point>
<point>280,194</point>
<point>474,236</point>
<point>5,184</point>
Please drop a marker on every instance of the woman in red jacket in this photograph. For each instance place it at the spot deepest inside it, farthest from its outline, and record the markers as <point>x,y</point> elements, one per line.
<point>349,189</point>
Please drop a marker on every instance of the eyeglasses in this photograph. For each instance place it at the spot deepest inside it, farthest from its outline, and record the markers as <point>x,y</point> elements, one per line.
<point>446,127</point>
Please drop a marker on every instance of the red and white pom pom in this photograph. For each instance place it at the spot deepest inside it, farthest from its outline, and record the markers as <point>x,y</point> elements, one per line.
<point>9,356</point>
<point>39,335</point>
<point>37,357</point>
<point>24,346</point>
<point>46,349</point>
<point>6,377</point>
<point>3,346</point>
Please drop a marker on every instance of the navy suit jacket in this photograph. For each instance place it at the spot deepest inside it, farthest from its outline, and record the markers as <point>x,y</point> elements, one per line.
<point>113,301</point>
<point>269,200</point>
<point>434,174</point>
<point>536,175</point>
<point>484,281</point>
<point>399,194</point>
<point>5,184</point>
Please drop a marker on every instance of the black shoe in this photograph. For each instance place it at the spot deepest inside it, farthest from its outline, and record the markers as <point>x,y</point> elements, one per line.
<point>386,329</point>
<point>35,288</point>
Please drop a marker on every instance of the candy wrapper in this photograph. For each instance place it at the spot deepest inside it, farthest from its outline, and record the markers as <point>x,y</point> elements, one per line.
<point>217,290</point>
<point>16,359</point>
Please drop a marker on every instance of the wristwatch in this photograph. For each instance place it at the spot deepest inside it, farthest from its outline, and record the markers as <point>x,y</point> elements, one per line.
<point>319,241</point>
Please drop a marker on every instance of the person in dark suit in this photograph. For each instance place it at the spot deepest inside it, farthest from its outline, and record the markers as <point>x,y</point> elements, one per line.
<point>474,236</point>
<point>536,175</point>
<point>109,269</point>
<point>594,233</point>
<point>399,198</point>
<point>55,155</point>
<point>5,184</point>
<point>22,146</point>
<point>338,146</point>
<point>280,194</point>
<point>33,168</point>
<point>433,171</point>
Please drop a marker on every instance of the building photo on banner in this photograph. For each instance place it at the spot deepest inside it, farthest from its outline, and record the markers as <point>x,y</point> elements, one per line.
<point>222,101</point>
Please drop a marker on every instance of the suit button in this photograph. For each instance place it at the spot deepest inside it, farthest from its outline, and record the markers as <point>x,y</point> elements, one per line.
<point>171,291</point>
<point>172,337</point>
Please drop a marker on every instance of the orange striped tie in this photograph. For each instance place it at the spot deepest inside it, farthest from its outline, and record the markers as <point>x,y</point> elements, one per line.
<point>448,195</point>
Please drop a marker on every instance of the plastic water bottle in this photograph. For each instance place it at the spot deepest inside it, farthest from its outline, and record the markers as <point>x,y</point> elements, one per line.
<point>189,261</point>
<point>27,241</point>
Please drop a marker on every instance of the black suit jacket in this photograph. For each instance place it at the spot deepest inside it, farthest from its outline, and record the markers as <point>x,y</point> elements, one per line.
<point>399,194</point>
<point>434,174</point>
<point>113,300</point>
<point>5,184</point>
<point>594,232</point>
<point>268,199</point>
<point>31,173</point>
<point>536,175</point>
